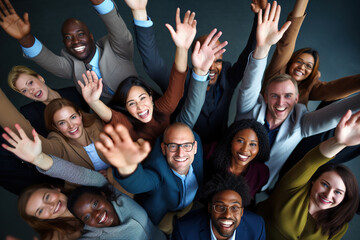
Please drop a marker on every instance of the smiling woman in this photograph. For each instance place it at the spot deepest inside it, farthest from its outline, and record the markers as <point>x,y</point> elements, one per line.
<point>243,151</point>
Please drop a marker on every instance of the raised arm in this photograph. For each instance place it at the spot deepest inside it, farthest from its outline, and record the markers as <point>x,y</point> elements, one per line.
<point>31,151</point>
<point>120,150</point>
<point>347,133</point>
<point>202,58</point>
<point>91,92</point>
<point>15,26</point>
<point>267,34</point>
<point>285,47</point>
<point>182,37</point>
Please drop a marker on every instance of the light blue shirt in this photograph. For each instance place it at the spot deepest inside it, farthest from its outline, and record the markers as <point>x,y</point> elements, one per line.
<point>94,157</point>
<point>190,187</point>
<point>213,235</point>
<point>31,52</point>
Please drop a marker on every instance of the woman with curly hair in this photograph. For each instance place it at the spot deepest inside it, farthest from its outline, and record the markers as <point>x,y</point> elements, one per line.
<point>243,151</point>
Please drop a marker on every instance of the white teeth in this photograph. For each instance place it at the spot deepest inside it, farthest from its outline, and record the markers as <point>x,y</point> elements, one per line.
<point>180,159</point>
<point>79,49</point>
<point>280,109</point>
<point>243,156</point>
<point>38,94</point>
<point>72,131</point>
<point>211,74</point>
<point>226,223</point>
<point>143,113</point>
<point>325,200</point>
<point>103,218</point>
<point>298,73</point>
<point>57,207</point>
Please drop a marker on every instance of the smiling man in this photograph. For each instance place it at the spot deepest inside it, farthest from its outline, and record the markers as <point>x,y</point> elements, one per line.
<point>111,57</point>
<point>225,217</point>
<point>167,181</point>
<point>286,121</point>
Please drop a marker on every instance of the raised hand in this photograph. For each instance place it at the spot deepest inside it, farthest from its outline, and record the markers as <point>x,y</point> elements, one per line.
<point>22,146</point>
<point>267,32</point>
<point>348,130</point>
<point>92,89</point>
<point>120,150</point>
<point>256,5</point>
<point>138,8</point>
<point>12,23</point>
<point>203,56</point>
<point>185,31</point>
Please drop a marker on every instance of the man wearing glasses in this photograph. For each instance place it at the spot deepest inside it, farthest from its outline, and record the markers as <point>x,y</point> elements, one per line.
<point>167,181</point>
<point>225,217</point>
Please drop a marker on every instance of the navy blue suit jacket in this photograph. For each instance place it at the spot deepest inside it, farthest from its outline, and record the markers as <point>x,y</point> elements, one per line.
<point>196,226</point>
<point>155,186</point>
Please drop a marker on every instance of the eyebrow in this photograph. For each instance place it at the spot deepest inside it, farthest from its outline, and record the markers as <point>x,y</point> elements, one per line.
<point>132,100</point>
<point>236,202</point>
<point>330,185</point>
<point>306,62</point>
<point>252,140</point>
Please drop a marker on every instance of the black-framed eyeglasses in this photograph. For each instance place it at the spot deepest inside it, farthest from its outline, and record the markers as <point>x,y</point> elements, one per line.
<point>222,208</point>
<point>173,147</point>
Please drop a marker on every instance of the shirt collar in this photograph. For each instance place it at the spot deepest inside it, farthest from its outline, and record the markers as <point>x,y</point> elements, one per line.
<point>95,60</point>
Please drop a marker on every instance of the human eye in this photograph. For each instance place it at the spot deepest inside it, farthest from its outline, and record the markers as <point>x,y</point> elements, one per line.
<point>218,61</point>
<point>299,61</point>
<point>130,104</point>
<point>47,196</point>
<point>308,66</point>
<point>338,192</point>
<point>23,91</point>
<point>30,82</point>
<point>172,146</point>
<point>86,217</point>
<point>324,184</point>
<point>81,34</point>
<point>220,208</point>
<point>142,98</point>
<point>40,211</point>
<point>253,144</point>
<point>273,96</point>
<point>95,203</point>
<point>67,37</point>
<point>73,116</point>
<point>235,208</point>
<point>61,123</point>
<point>288,95</point>
<point>239,140</point>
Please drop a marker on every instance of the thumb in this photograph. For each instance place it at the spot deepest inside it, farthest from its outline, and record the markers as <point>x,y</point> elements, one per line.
<point>26,18</point>
<point>171,30</point>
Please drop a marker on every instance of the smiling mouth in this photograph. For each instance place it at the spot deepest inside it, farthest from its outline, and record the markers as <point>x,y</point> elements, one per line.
<point>243,157</point>
<point>79,49</point>
<point>212,75</point>
<point>280,109</point>
<point>58,206</point>
<point>38,94</point>
<point>143,114</point>
<point>324,200</point>
<point>182,159</point>
<point>103,218</point>
<point>298,73</point>
<point>226,223</point>
<point>74,131</point>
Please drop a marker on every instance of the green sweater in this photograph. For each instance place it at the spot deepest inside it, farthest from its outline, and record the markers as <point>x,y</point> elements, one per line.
<point>286,211</point>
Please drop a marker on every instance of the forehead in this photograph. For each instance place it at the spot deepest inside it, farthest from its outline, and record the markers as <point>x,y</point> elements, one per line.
<point>73,25</point>
<point>247,133</point>
<point>135,91</point>
<point>23,78</point>
<point>227,196</point>
<point>35,201</point>
<point>282,87</point>
<point>63,113</point>
<point>334,179</point>
<point>178,134</point>
<point>307,57</point>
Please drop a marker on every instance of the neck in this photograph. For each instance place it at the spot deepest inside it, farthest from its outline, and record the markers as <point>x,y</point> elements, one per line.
<point>52,95</point>
<point>237,169</point>
<point>273,123</point>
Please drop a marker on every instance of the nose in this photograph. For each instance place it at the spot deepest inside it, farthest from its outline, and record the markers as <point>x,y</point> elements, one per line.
<point>180,151</point>
<point>227,213</point>
<point>244,147</point>
<point>280,101</point>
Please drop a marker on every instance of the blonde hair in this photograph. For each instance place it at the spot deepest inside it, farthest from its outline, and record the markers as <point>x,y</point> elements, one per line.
<point>15,72</point>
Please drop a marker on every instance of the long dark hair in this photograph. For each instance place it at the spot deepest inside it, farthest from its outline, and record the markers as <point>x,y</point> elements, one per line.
<point>46,227</point>
<point>221,159</point>
<point>332,220</point>
<point>304,85</point>
<point>118,101</point>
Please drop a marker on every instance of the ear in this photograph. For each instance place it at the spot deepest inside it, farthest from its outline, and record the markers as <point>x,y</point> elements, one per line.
<point>297,98</point>
<point>195,147</point>
<point>163,148</point>
<point>41,78</point>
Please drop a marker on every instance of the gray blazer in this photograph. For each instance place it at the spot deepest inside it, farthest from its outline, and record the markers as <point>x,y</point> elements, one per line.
<point>299,124</point>
<point>115,56</point>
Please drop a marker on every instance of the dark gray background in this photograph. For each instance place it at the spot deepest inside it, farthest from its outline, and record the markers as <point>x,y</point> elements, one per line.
<point>330,27</point>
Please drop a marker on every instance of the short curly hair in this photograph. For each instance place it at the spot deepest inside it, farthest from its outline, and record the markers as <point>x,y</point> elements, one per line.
<point>221,159</point>
<point>219,183</point>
